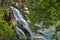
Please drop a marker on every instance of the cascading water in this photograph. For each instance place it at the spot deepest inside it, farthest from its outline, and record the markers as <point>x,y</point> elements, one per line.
<point>18,17</point>
<point>19,31</point>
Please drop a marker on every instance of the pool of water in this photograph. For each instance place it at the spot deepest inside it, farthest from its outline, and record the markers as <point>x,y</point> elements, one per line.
<point>58,33</point>
<point>48,37</point>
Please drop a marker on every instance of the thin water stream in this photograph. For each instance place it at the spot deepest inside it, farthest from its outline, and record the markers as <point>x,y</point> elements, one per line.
<point>18,17</point>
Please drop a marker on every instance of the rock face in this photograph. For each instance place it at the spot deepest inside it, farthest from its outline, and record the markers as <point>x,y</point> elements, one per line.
<point>39,24</point>
<point>47,31</point>
<point>42,30</point>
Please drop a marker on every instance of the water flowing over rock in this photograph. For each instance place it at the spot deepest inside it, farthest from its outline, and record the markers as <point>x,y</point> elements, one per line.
<point>18,17</point>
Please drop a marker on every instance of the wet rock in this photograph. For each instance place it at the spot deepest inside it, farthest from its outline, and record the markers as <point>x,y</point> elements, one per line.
<point>47,31</point>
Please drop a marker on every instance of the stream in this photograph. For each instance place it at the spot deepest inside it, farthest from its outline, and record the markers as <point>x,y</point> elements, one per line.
<point>18,17</point>
<point>19,31</point>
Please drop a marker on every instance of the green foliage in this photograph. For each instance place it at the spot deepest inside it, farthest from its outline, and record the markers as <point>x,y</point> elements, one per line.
<point>47,11</point>
<point>6,32</point>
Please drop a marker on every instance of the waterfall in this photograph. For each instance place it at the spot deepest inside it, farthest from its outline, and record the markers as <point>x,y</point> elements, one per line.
<point>18,31</point>
<point>18,17</point>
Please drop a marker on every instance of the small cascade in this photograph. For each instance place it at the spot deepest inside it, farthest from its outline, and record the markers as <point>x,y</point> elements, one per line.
<point>18,17</point>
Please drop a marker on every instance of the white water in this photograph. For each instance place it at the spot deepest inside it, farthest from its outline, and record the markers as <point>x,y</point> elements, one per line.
<point>18,17</point>
<point>18,31</point>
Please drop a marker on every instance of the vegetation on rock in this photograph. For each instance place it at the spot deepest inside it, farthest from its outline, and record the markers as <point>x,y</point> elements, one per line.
<point>47,11</point>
